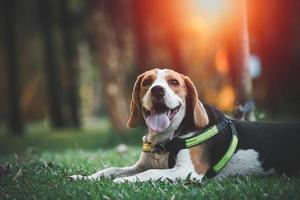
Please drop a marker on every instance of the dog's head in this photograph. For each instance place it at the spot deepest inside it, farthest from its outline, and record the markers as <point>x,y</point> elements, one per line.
<point>162,98</point>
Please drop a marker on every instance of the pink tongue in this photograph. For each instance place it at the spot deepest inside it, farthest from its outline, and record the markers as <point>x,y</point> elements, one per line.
<point>158,122</point>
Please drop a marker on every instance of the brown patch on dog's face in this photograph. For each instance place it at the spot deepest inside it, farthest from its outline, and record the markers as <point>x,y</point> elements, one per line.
<point>139,90</point>
<point>199,158</point>
<point>147,80</point>
<point>177,84</point>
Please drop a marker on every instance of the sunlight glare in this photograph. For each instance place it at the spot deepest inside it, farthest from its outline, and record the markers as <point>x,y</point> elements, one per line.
<point>211,7</point>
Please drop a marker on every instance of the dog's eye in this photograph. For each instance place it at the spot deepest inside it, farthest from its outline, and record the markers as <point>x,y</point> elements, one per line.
<point>147,83</point>
<point>173,82</point>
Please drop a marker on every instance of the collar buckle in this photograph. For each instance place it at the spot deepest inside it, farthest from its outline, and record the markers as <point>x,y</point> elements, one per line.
<point>149,147</point>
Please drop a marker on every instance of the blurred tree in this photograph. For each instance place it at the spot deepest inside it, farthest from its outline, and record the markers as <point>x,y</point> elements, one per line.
<point>52,73</point>
<point>15,121</point>
<point>238,53</point>
<point>157,25</point>
<point>70,52</point>
<point>140,11</point>
<point>173,32</point>
<point>109,32</point>
<point>278,47</point>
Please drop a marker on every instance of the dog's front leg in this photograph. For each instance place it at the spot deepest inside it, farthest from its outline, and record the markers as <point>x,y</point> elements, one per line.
<point>111,172</point>
<point>173,174</point>
<point>182,169</point>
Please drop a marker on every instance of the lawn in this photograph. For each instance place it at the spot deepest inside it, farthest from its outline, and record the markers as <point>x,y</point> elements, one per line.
<point>45,159</point>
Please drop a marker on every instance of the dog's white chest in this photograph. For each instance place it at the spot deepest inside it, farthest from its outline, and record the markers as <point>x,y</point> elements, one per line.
<point>155,161</point>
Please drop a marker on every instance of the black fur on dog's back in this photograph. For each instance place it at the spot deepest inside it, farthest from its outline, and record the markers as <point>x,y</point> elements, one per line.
<point>277,143</point>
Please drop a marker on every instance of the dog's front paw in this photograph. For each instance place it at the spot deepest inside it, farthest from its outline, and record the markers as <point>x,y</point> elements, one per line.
<point>77,177</point>
<point>119,180</point>
<point>125,179</point>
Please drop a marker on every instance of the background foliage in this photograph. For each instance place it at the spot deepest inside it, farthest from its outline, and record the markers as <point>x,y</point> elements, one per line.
<point>67,68</point>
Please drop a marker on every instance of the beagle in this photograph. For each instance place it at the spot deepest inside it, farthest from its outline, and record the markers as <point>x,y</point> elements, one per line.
<point>186,138</point>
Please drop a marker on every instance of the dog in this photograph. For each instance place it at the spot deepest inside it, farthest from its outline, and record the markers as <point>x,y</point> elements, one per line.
<point>187,138</point>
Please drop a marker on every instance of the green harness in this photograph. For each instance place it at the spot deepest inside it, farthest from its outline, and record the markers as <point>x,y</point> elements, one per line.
<point>175,145</point>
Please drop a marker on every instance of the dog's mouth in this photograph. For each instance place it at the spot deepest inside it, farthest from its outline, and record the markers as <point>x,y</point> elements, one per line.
<point>159,121</point>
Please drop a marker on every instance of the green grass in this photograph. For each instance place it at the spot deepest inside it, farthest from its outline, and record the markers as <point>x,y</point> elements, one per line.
<point>44,176</point>
<point>41,138</point>
<point>45,158</point>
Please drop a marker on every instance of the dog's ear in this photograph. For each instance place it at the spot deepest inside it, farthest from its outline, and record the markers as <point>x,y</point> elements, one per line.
<point>195,107</point>
<point>135,112</point>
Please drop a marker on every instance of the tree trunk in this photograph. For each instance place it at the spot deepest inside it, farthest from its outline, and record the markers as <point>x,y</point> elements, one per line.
<point>239,53</point>
<point>140,20</point>
<point>174,48</point>
<point>15,121</point>
<point>69,43</point>
<point>51,66</point>
<point>147,15</point>
<point>110,55</point>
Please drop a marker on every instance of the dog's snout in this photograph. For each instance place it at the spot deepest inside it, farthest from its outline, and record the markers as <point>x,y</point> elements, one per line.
<point>158,92</point>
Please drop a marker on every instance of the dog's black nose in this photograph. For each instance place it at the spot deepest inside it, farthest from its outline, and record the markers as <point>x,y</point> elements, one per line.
<point>158,92</point>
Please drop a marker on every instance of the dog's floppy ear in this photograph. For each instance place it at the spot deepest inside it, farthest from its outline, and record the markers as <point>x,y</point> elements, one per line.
<point>135,112</point>
<point>197,110</point>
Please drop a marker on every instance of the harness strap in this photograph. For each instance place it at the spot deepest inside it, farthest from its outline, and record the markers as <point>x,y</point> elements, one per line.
<point>206,134</point>
<point>176,144</point>
<point>227,156</point>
